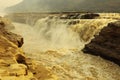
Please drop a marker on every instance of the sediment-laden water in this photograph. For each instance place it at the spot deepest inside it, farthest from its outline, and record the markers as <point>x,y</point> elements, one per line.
<point>57,45</point>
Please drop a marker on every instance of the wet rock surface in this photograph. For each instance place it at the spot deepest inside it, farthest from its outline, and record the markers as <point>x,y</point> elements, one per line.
<point>106,44</point>
<point>90,16</point>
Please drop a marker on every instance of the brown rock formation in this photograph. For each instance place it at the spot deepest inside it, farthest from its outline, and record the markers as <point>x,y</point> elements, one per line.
<point>106,44</point>
<point>90,16</point>
<point>16,39</point>
<point>13,63</point>
<point>10,68</point>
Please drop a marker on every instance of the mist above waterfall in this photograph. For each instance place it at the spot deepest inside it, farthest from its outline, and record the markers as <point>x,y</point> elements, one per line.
<point>48,34</point>
<point>5,4</point>
<point>55,34</point>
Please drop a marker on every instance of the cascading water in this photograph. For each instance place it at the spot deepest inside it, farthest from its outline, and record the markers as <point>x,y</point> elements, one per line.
<point>48,34</point>
<point>57,45</point>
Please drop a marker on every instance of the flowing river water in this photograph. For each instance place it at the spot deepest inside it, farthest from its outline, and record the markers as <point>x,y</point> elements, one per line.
<point>57,44</point>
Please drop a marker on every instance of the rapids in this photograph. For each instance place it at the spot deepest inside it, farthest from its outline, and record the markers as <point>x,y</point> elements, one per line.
<point>57,45</point>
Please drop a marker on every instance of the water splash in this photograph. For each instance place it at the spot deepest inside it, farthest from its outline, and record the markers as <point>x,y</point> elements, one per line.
<point>48,35</point>
<point>56,34</point>
<point>88,28</point>
<point>56,45</point>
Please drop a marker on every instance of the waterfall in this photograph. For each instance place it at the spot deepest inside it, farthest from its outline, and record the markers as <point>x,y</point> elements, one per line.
<point>57,44</point>
<point>55,34</point>
<point>48,35</point>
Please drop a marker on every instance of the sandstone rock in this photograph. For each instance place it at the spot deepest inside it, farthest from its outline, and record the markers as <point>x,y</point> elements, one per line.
<point>10,69</point>
<point>10,56</point>
<point>13,63</point>
<point>16,39</point>
<point>17,70</point>
<point>89,16</point>
<point>106,44</point>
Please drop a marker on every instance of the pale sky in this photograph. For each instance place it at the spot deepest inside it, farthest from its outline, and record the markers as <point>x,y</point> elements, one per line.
<point>7,3</point>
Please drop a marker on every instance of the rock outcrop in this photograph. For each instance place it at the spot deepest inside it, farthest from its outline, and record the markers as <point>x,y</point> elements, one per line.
<point>9,67</point>
<point>89,16</point>
<point>5,26</point>
<point>14,65</point>
<point>106,44</point>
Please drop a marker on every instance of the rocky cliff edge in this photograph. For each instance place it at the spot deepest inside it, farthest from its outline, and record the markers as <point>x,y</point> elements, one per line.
<point>14,65</point>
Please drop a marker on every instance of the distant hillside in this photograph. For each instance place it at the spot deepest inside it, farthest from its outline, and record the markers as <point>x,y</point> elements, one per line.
<point>66,5</point>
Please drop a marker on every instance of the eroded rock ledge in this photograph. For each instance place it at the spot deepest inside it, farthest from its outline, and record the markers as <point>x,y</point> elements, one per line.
<point>14,65</point>
<point>107,43</point>
<point>4,31</point>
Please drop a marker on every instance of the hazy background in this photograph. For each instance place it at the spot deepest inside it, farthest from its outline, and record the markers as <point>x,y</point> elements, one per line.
<point>66,5</point>
<point>7,3</point>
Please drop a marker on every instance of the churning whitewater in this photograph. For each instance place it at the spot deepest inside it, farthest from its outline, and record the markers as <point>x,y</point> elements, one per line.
<point>48,35</point>
<point>57,45</point>
<point>55,34</point>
